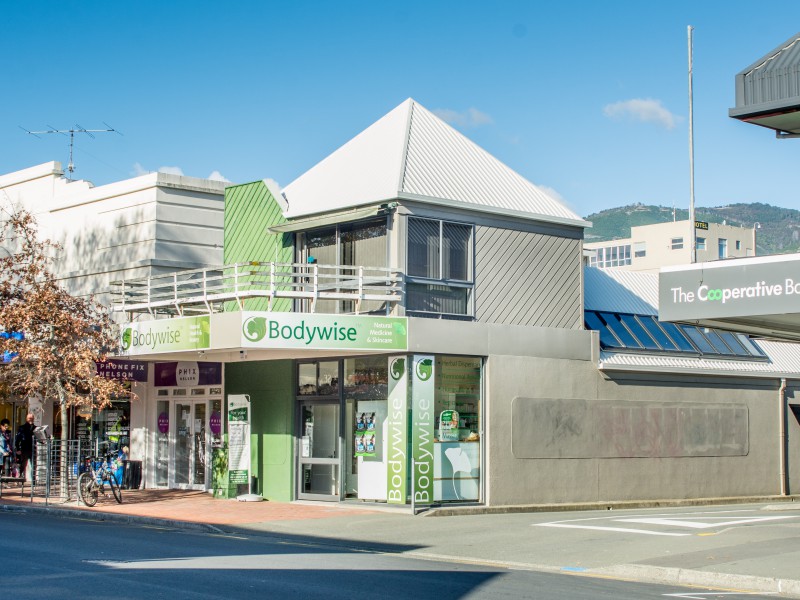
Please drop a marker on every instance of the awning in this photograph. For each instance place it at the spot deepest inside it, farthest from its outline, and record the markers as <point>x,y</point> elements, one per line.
<point>331,219</point>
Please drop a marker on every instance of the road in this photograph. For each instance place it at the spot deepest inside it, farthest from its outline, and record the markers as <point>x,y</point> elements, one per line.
<point>48,557</point>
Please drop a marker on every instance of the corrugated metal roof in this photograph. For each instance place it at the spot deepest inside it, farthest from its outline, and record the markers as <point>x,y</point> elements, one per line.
<point>618,290</point>
<point>412,154</point>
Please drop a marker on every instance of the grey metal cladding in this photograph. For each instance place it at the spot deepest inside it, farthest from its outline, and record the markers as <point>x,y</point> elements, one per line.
<point>774,78</point>
<point>524,278</point>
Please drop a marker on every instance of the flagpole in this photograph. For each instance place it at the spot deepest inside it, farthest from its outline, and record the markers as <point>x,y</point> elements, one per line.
<point>693,236</point>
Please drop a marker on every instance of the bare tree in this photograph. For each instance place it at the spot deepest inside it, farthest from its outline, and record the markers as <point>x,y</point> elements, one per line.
<point>51,337</point>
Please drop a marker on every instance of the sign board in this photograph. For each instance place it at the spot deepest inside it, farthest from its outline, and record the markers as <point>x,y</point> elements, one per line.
<point>238,439</point>
<point>397,420</point>
<point>729,290</point>
<point>122,370</point>
<point>166,335</point>
<point>701,225</point>
<point>422,411</point>
<point>317,331</point>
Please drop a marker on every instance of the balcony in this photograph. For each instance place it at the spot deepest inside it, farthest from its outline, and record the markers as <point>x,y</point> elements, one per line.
<point>310,287</point>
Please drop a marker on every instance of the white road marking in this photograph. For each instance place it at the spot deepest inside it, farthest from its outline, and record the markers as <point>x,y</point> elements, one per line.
<point>705,524</point>
<point>706,595</point>
<point>599,528</point>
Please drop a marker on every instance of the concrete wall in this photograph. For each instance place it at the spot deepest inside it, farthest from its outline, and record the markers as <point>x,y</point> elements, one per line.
<point>724,440</point>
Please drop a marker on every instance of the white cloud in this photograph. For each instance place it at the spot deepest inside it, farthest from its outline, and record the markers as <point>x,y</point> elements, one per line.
<point>171,170</point>
<point>646,110</point>
<point>138,170</point>
<point>552,193</point>
<point>471,117</point>
<point>217,176</point>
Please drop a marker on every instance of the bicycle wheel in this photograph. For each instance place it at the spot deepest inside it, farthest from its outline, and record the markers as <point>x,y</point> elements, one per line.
<point>87,489</point>
<point>115,489</point>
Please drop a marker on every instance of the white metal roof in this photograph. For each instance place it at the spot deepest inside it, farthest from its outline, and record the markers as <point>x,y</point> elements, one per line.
<point>618,290</point>
<point>784,361</point>
<point>412,154</point>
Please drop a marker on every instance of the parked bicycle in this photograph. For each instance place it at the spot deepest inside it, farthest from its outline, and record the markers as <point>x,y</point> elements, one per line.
<point>98,475</point>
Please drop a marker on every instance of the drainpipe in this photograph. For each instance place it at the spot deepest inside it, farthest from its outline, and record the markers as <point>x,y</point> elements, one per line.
<point>782,433</point>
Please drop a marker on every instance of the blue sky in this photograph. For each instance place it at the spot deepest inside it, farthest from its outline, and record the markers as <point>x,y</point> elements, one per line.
<point>588,99</point>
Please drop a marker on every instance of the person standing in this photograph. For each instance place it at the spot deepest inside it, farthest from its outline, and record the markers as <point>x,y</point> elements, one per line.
<point>6,447</point>
<point>24,444</point>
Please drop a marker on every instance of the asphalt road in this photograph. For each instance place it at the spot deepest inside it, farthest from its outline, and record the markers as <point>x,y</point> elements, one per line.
<point>49,557</point>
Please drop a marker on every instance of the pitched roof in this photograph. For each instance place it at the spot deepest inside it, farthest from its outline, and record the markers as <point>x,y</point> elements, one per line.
<point>410,154</point>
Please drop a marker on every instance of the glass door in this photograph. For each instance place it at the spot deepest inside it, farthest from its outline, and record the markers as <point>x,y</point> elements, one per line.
<point>320,451</point>
<point>189,432</point>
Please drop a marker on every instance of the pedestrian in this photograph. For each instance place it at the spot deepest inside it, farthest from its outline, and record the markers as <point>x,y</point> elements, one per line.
<point>6,447</point>
<point>24,444</point>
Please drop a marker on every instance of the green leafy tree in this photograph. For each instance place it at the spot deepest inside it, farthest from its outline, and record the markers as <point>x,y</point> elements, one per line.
<point>62,335</point>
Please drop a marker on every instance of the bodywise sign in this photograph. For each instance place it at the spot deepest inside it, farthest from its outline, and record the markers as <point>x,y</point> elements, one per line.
<point>729,291</point>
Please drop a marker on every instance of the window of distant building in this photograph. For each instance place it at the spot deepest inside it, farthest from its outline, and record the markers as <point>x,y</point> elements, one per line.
<point>611,256</point>
<point>723,248</point>
<point>440,266</point>
<point>676,243</point>
<point>640,249</point>
<point>738,244</point>
<point>701,243</point>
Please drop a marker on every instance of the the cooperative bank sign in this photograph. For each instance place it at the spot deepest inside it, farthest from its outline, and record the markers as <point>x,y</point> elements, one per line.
<point>314,331</point>
<point>729,291</point>
<point>166,335</point>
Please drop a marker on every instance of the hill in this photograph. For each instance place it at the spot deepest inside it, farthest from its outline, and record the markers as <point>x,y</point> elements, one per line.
<point>778,229</point>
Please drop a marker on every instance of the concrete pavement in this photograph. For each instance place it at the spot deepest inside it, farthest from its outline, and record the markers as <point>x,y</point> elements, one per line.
<point>748,547</point>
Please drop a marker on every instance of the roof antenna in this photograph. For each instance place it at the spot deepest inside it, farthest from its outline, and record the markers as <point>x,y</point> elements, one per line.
<point>72,131</point>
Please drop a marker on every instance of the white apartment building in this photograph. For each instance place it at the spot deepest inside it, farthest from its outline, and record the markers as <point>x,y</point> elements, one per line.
<point>651,247</point>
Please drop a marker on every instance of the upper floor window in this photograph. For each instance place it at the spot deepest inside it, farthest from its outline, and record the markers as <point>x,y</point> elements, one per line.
<point>738,244</point>
<point>439,266</point>
<point>676,243</point>
<point>640,249</point>
<point>611,256</point>
<point>701,243</point>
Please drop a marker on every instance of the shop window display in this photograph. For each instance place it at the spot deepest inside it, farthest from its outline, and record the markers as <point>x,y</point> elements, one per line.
<point>457,428</point>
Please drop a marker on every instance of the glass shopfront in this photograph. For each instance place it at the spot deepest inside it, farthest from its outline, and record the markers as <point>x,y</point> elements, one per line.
<point>354,442</point>
<point>187,424</point>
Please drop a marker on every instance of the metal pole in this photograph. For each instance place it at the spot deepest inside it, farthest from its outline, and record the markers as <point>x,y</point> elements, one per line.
<point>693,235</point>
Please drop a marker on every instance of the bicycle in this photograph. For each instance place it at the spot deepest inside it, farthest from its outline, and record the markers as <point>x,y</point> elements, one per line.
<point>94,478</point>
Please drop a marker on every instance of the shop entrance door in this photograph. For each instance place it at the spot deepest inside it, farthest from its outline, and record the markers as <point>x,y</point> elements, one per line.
<point>319,462</point>
<point>190,432</point>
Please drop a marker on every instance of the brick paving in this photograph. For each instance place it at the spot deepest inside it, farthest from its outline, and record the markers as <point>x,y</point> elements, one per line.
<point>194,507</point>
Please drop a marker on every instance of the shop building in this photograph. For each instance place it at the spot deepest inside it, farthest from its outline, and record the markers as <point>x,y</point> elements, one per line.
<point>144,226</point>
<point>410,320</point>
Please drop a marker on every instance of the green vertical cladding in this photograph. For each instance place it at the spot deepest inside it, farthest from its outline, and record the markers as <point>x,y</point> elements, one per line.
<point>250,209</point>
<point>269,385</point>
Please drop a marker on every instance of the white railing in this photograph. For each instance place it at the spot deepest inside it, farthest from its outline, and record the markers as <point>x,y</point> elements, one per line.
<point>208,290</point>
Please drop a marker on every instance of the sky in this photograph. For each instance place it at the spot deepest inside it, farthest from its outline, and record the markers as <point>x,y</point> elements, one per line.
<point>586,99</point>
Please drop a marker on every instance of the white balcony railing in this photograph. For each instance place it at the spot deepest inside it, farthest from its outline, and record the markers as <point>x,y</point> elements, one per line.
<point>209,290</point>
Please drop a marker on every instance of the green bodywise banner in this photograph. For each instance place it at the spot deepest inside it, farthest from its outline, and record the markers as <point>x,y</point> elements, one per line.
<point>396,443</point>
<point>166,335</point>
<point>337,332</point>
<point>422,418</point>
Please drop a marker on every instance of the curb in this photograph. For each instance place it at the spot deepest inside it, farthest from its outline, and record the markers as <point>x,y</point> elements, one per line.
<point>92,515</point>
<point>787,588</point>
<point>456,511</point>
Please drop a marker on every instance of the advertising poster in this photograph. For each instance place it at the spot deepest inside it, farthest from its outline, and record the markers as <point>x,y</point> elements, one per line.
<point>397,420</point>
<point>238,439</point>
<point>422,411</point>
<point>365,432</point>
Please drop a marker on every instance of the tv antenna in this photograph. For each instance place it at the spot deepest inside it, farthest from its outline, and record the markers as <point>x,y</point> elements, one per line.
<point>70,133</point>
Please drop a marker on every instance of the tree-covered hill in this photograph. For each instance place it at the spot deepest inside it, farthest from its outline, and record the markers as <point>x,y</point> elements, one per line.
<point>778,229</point>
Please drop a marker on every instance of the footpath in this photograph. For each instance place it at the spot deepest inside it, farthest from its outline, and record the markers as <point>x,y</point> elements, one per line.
<point>745,546</point>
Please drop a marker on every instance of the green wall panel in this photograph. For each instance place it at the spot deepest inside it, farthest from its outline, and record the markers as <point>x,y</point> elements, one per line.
<point>249,210</point>
<point>269,385</point>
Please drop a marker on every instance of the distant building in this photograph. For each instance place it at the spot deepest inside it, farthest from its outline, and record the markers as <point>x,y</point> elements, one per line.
<point>651,247</point>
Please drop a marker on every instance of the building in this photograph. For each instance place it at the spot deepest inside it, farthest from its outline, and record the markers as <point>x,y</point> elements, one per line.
<point>410,320</point>
<point>651,247</point>
<point>141,227</point>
